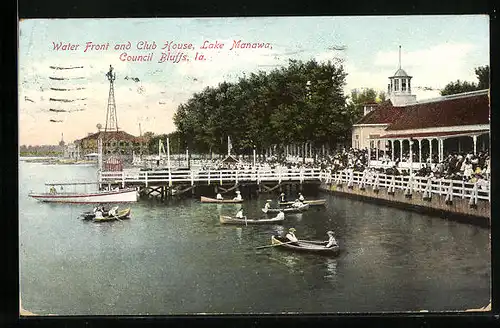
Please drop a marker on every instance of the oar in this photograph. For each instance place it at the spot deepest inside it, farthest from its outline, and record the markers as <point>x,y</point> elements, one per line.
<point>288,242</point>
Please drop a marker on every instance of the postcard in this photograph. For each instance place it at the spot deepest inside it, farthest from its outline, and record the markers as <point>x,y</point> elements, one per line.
<point>254,165</point>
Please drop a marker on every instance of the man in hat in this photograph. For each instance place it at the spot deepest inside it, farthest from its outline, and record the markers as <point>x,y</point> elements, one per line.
<point>238,196</point>
<point>282,197</point>
<point>331,240</point>
<point>301,197</point>
<point>292,239</point>
<point>219,196</point>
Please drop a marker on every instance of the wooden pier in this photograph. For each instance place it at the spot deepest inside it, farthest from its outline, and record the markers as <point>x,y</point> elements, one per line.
<point>169,182</point>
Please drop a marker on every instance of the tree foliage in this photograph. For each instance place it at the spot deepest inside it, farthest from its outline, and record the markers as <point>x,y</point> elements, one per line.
<point>483,76</point>
<point>357,100</point>
<point>294,104</point>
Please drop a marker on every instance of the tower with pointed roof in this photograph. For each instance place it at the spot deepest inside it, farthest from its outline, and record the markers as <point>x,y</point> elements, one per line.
<point>399,87</point>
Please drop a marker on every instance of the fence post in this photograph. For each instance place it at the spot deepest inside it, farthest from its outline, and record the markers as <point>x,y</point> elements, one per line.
<point>449,195</point>
<point>473,197</point>
<point>146,178</point>
<point>392,186</point>
<point>463,189</point>
<point>208,176</point>
<point>192,178</point>
<point>362,182</point>
<point>350,177</point>
<point>376,183</point>
<point>220,177</point>
<point>123,179</point>
<point>427,195</point>
<point>409,189</point>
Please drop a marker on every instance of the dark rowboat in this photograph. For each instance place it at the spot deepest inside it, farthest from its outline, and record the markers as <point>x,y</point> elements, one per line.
<point>317,247</point>
<point>286,209</point>
<point>233,220</point>
<point>317,202</point>
<point>214,200</point>
<point>120,215</point>
<point>90,214</point>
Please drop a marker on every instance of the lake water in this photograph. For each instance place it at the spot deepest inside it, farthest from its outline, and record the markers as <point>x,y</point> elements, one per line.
<point>176,258</point>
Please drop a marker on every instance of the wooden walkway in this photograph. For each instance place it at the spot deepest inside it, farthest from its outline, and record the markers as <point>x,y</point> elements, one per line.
<point>422,185</point>
<point>155,178</point>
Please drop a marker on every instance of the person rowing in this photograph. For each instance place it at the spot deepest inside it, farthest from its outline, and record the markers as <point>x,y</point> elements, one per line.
<point>98,213</point>
<point>239,214</point>
<point>282,197</point>
<point>301,197</point>
<point>267,206</point>
<point>292,239</point>
<point>219,196</point>
<point>332,242</point>
<point>280,216</point>
<point>238,195</point>
<point>297,203</point>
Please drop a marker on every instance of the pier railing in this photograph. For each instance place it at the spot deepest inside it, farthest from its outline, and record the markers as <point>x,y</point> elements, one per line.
<point>208,176</point>
<point>426,186</point>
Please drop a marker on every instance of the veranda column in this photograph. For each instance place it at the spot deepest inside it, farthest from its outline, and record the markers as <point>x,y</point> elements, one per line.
<point>474,139</point>
<point>369,152</point>
<point>430,150</point>
<point>392,149</point>
<point>378,144</point>
<point>420,151</point>
<point>440,143</point>
<point>400,150</point>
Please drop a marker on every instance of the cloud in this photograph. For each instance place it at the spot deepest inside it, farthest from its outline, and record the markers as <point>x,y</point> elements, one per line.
<point>434,66</point>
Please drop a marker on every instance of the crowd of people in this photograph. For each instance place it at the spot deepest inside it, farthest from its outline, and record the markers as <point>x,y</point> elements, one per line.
<point>467,167</point>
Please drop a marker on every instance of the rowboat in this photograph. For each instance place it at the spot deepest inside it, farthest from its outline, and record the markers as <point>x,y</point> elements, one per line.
<point>286,209</point>
<point>316,202</point>
<point>89,215</point>
<point>232,220</point>
<point>214,200</point>
<point>105,196</point>
<point>317,247</point>
<point>121,215</point>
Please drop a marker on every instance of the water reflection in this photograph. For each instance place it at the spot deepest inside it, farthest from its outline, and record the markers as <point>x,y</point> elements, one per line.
<point>331,268</point>
<point>238,234</point>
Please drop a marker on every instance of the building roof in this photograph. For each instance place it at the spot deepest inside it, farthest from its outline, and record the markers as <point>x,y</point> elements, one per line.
<point>467,110</point>
<point>118,135</point>
<point>400,73</point>
<point>230,159</point>
<point>432,134</point>
<point>385,113</point>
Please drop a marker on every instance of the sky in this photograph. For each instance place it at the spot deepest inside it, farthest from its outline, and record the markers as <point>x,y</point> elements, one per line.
<point>434,50</point>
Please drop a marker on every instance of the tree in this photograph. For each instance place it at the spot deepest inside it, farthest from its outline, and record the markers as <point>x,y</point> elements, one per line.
<point>357,100</point>
<point>458,87</point>
<point>483,76</point>
<point>298,103</point>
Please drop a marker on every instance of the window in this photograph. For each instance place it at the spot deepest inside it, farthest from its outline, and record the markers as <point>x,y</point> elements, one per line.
<point>409,88</point>
<point>357,136</point>
<point>403,85</point>
<point>396,85</point>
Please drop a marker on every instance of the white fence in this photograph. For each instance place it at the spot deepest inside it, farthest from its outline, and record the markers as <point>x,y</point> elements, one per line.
<point>148,177</point>
<point>426,186</point>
